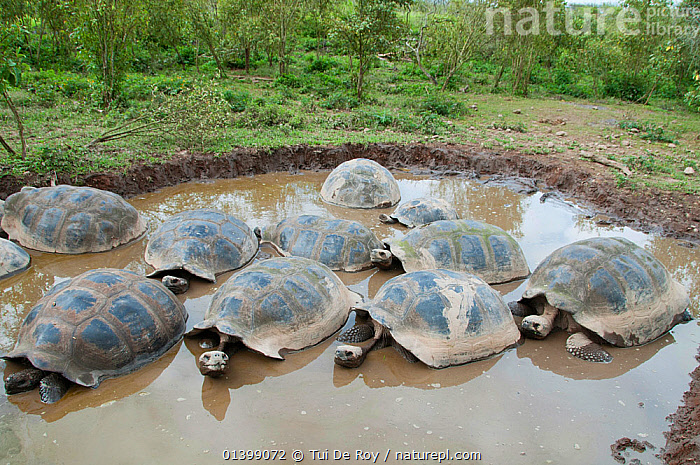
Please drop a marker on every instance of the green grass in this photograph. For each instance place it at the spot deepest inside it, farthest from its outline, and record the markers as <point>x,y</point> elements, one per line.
<point>315,105</point>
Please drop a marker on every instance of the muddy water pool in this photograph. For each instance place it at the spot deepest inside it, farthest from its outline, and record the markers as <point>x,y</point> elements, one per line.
<point>532,404</point>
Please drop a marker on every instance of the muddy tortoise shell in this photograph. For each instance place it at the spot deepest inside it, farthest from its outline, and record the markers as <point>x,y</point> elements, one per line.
<point>13,259</point>
<point>71,220</point>
<point>101,324</point>
<point>424,210</point>
<point>361,183</point>
<point>341,245</point>
<point>462,245</point>
<point>279,305</point>
<point>613,287</point>
<point>202,242</point>
<point>444,317</point>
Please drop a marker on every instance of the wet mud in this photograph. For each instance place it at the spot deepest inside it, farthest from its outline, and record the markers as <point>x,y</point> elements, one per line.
<point>505,407</point>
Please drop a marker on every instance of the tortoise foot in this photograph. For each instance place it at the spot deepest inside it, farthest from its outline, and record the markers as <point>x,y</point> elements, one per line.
<point>52,388</point>
<point>581,346</point>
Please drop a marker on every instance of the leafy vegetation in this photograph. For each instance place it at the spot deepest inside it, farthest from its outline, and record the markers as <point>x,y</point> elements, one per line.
<point>98,84</point>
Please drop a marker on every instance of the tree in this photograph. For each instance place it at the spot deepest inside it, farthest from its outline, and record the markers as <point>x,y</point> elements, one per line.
<point>244,20</point>
<point>207,25</point>
<point>449,39</point>
<point>109,27</point>
<point>366,28</point>
<point>279,21</point>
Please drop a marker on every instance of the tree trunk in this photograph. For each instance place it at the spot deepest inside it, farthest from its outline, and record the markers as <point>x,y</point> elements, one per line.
<point>7,146</point>
<point>196,55</point>
<point>498,78</point>
<point>41,37</point>
<point>20,126</point>
<point>247,59</point>
<point>179,57</point>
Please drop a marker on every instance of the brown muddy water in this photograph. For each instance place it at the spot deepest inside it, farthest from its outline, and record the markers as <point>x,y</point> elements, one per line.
<point>532,404</point>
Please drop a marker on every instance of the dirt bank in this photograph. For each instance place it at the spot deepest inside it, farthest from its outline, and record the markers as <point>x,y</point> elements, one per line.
<point>670,213</point>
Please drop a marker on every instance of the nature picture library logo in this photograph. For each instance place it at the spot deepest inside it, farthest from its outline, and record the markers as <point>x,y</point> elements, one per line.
<point>556,20</point>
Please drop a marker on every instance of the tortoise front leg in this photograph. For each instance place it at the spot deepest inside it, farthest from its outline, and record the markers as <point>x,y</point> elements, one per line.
<point>581,346</point>
<point>362,330</point>
<point>53,387</point>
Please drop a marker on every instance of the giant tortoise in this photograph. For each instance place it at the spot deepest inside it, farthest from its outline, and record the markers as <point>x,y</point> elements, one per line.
<point>71,220</point>
<point>361,183</point>
<point>101,324</point>
<point>601,289</point>
<point>439,317</point>
<point>13,259</point>
<point>273,307</point>
<point>460,245</point>
<point>420,211</point>
<point>341,245</point>
<point>203,243</point>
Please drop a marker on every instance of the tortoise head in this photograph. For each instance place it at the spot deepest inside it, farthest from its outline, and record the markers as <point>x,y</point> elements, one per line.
<point>213,363</point>
<point>177,285</point>
<point>23,381</point>
<point>350,356</point>
<point>386,219</point>
<point>382,258</point>
<point>536,326</point>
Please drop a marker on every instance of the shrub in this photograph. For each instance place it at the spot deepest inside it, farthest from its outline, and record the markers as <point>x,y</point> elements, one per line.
<point>237,100</point>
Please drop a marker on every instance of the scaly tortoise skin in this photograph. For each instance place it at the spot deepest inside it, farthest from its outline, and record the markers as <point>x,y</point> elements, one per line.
<point>201,242</point>
<point>607,288</point>
<point>13,259</point>
<point>101,324</point>
<point>440,317</point>
<point>341,245</point>
<point>420,211</point>
<point>70,220</point>
<point>460,245</point>
<point>272,307</point>
<point>361,183</point>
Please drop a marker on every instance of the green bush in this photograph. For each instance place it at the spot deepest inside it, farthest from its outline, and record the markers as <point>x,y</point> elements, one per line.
<point>289,80</point>
<point>237,100</point>
<point>630,87</point>
<point>321,64</point>
<point>442,104</point>
<point>63,83</point>
<point>270,116</point>
<point>339,101</point>
<point>648,131</point>
<point>194,118</point>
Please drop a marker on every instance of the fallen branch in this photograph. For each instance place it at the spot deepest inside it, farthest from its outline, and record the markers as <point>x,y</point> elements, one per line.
<point>606,161</point>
